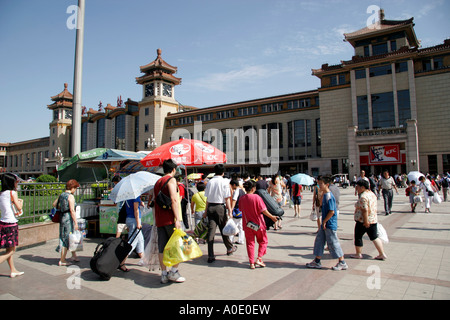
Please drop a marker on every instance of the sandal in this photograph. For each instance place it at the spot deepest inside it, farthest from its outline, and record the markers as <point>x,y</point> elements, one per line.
<point>260,263</point>
<point>123,268</point>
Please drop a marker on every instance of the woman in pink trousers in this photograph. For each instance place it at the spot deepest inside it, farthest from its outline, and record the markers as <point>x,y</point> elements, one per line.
<point>253,209</point>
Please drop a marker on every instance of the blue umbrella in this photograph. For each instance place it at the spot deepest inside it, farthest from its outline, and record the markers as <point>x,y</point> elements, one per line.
<point>302,179</point>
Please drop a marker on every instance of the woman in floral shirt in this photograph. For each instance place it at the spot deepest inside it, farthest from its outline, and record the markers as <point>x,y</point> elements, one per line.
<point>366,220</point>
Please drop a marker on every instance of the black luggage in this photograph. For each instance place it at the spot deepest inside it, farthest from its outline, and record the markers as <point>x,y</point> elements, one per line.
<point>272,206</point>
<point>109,255</point>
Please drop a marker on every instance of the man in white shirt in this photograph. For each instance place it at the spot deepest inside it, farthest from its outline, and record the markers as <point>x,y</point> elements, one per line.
<point>218,194</point>
<point>387,183</point>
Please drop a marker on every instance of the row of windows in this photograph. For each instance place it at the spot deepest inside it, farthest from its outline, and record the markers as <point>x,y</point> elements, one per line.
<point>245,111</point>
<point>28,159</point>
<point>382,70</point>
<point>120,133</point>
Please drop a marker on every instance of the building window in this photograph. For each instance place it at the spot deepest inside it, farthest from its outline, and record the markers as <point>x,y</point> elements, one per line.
<point>426,65</point>
<point>438,63</point>
<point>186,120</point>
<point>147,111</point>
<point>225,114</point>
<point>205,117</point>
<point>274,126</point>
<point>84,134</point>
<point>302,103</point>
<point>393,45</point>
<point>366,51</point>
<point>446,163</point>
<point>146,128</point>
<point>363,113</point>
<point>404,107</point>
<point>432,164</point>
<point>101,133</point>
<point>360,74</point>
<point>383,115</point>
<point>271,107</point>
<point>120,132</point>
<point>401,67</point>
<point>381,48</point>
<point>247,111</point>
<point>380,70</point>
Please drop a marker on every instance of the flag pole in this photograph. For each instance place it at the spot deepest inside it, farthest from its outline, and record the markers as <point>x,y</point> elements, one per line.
<point>77,82</point>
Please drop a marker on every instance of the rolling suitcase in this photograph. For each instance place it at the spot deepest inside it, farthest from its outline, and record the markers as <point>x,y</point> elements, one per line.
<point>272,206</point>
<point>109,255</point>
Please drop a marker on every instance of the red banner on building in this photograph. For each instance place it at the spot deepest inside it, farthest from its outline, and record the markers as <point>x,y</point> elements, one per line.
<point>385,154</point>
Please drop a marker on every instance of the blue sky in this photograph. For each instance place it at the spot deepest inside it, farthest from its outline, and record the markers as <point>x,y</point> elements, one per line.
<point>225,51</point>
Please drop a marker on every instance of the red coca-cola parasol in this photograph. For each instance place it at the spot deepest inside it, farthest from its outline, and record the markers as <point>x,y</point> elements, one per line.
<point>187,152</point>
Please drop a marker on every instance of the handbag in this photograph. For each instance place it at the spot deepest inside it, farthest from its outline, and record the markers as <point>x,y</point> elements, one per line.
<point>56,213</point>
<point>17,212</point>
<point>163,200</point>
<point>252,225</point>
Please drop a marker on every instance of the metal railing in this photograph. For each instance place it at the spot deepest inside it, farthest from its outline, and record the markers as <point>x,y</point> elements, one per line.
<point>38,198</point>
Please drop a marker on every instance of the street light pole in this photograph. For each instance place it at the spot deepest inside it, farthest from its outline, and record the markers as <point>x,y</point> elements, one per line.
<point>76,112</point>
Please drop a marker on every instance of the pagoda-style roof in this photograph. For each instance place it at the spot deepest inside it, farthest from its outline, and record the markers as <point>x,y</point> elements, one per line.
<point>65,94</point>
<point>158,70</point>
<point>383,27</point>
<point>62,99</point>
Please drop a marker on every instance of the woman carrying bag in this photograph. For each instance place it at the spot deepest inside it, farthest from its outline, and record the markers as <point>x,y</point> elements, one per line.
<point>68,220</point>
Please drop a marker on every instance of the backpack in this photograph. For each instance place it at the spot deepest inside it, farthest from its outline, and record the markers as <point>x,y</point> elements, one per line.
<point>445,183</point>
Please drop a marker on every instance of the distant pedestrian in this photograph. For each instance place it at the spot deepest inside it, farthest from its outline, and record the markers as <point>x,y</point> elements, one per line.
<point>198,204</point>
<point>414,191</point>
<point>253,209</point>
<point>428,192</point>
<point>445,182</point>
<point>366,220</point>
<point>387,184</point>
<point>9,229</point>
<point>297,198</point>
<point>238,192</point>
<point>68,223</point>
<point>328,230</point>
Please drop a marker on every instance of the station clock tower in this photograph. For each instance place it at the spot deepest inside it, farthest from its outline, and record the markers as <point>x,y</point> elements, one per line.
<point>158,99</point>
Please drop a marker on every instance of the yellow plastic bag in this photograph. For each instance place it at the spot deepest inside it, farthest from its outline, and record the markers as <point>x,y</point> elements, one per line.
<point>179,248</point>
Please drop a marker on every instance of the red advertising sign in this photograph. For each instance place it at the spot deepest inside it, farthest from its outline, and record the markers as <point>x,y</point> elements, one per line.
<point>384,154</point>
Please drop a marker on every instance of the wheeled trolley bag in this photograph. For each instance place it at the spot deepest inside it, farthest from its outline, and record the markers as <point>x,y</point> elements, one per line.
<point>272,206</point>
<point>109,255</point>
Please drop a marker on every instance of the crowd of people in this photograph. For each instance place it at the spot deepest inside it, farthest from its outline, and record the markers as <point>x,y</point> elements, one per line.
<point>216,200</point>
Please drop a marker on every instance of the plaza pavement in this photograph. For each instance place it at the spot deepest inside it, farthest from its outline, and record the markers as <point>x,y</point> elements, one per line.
<point>418,265</point>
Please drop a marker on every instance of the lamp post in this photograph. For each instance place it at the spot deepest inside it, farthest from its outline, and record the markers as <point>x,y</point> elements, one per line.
<point>151,143</point>
<point>59,157</point>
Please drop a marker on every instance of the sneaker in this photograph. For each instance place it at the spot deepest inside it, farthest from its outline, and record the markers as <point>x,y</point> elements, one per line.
<point>176,277</point>
<point>164,278</point>
<point>340,266</point>
<point>314,265</point>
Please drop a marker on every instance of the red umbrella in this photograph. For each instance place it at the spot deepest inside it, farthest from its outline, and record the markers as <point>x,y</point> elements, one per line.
<point>186,152</point>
